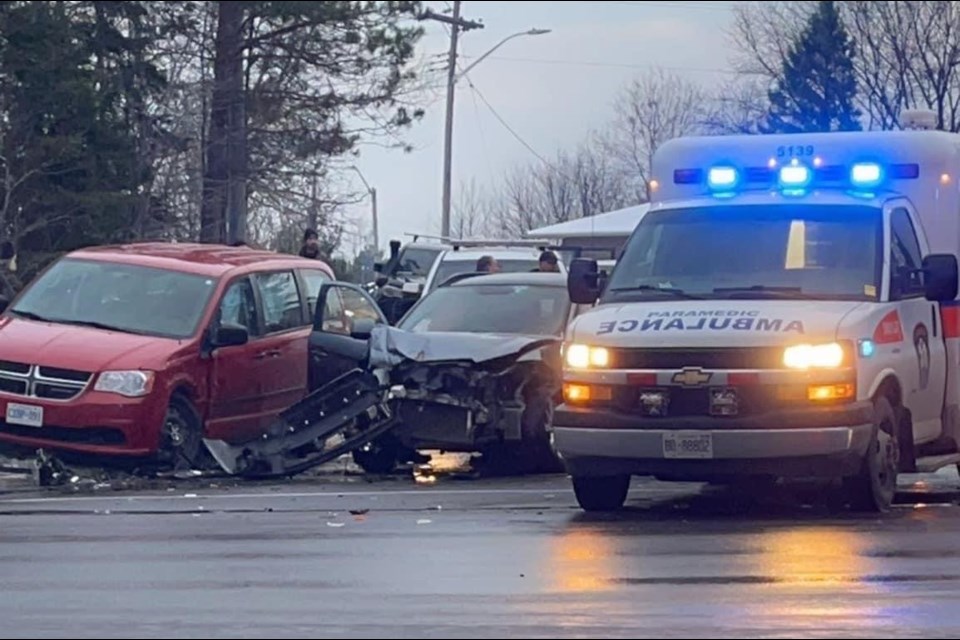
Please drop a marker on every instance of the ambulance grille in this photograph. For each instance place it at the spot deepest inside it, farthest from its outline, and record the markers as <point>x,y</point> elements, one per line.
<point>721,358</point>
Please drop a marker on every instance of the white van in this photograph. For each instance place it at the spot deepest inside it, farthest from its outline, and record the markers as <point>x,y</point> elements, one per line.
<point>787,309</point>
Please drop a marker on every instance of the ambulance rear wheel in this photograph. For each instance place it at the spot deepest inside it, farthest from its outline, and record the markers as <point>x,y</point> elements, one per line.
<point>601,493</point>
<point>874,488</point>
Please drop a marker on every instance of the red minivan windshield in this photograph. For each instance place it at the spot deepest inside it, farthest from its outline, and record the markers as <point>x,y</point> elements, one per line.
<point>118,297</point>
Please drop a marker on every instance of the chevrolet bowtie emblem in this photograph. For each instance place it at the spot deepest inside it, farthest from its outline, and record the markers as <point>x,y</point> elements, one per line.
<point>692,377</point>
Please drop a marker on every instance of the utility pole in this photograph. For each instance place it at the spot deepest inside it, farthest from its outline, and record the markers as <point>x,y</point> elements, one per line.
<point>373,206</point>
<point>456,23</point>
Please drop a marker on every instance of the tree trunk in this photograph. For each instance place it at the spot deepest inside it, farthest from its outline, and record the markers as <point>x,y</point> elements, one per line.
<point>223,216</point>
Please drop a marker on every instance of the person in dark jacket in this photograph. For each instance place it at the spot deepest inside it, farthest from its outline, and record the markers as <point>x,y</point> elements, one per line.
<point>311,245</point>
<point>548,263</point>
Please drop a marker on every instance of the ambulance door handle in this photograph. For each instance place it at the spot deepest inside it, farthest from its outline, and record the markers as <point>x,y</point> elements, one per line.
<point>933,317</point>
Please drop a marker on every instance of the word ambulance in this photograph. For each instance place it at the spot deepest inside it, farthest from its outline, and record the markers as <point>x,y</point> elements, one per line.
<point>786,309</point>
<point>696,321</point>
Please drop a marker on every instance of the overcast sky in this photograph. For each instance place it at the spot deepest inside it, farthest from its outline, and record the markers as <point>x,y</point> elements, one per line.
<point>552,90</point>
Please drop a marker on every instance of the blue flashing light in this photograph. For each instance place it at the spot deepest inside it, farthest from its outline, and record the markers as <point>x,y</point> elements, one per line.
<point>866,174</point>
<point>867,348</point>
<point>722,178</point>
<point>795,176</point>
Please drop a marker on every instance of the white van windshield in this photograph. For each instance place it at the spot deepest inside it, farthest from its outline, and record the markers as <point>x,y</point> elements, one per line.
<point>119,297</point>
<point>753,252</point>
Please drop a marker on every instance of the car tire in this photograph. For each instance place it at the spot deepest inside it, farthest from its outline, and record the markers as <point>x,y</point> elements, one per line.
<point>379,457</point>
<point>607,493</point>
<point>537,454</point>
<point>181,438</point>
<point>874,487</point>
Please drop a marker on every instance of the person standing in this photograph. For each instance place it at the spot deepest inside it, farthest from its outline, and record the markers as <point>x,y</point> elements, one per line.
<point>311,245</point>
<point>487,264</point>
<point>548,263</point>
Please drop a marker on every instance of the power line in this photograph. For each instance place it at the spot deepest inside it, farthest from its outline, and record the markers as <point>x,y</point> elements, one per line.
<point>699,6</point>
<point>615,65</point>
<point>506,125</point>
<point>483,137</point>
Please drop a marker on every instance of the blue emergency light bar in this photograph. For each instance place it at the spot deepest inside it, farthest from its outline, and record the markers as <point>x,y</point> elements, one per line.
<point>861,175</point>
<point>866,174</point>
<point>795,176</point>
<point>722,178</point>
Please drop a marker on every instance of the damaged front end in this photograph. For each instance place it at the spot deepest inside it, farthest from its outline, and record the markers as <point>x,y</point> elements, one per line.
<point>479,381</point>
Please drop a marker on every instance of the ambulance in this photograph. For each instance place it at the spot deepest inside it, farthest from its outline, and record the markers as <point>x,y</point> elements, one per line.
<point>786,310</point>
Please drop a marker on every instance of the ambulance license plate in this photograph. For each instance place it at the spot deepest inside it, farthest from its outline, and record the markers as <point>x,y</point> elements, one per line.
<point>24,415</point>
<point>689,445</point>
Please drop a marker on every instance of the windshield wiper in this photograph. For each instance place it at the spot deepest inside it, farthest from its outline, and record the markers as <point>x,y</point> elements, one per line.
<point>100,325</point>
<point>678,293</point>
<point>765,291</point>
<point>30,315</point>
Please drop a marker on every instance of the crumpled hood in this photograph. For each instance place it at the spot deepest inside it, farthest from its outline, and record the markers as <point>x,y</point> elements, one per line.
<point>390,346</point>
<point>706,323</point>
<point>80,348</point>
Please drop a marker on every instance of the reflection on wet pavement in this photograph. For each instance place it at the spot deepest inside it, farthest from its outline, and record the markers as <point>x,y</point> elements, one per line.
<point>505,558</point>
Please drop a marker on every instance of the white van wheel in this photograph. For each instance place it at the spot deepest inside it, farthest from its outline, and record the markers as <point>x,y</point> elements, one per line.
<point>874,488</point>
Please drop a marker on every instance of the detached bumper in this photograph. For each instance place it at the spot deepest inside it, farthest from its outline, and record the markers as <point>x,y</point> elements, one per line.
<point>822,442</point>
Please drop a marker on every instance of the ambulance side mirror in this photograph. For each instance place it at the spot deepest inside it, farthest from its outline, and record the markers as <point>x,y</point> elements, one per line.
<point>584,282</point>
<point>940,277</point>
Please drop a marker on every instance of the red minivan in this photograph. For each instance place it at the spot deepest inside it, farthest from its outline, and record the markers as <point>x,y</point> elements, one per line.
<point>142,350</point>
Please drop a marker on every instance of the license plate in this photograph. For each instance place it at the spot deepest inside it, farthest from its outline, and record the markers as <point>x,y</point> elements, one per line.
<point>695,446</point>
<point>24,415</point>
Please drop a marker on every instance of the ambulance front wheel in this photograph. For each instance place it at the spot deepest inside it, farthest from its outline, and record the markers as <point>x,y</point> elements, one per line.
<point>874,488</point>
<point>601,493</point>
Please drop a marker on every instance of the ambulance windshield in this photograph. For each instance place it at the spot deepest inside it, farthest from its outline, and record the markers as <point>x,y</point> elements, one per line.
<point>753,252</point>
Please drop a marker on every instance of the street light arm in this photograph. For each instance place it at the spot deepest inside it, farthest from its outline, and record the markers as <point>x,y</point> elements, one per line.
<point>529,32</point>
<point>364,180</point>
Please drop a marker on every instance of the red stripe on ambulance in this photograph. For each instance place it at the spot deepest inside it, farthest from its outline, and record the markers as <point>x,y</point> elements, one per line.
<point>950,316</point>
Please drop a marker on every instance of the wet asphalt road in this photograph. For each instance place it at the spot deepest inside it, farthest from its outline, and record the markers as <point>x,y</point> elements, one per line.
<point>491,559</point>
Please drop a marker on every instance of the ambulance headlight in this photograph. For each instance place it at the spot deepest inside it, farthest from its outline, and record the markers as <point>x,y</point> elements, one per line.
<point>795,175</point>
<point>866,174</point>
<point>719,178</point>
<point>581,356</point>
<point>814,356</point>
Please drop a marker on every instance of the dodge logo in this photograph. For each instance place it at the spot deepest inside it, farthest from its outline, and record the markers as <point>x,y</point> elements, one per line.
<point>692,377</point>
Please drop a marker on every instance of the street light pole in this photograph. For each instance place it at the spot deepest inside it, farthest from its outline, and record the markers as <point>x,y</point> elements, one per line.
<point>452,77</point>
<point>373,206</point>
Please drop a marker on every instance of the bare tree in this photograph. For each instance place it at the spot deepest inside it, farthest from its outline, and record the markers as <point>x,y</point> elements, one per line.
<point>739,106</point>
<point>652,109</point>
<point>907,53</point>
<point>762,33</point>
<point>473,212</point>
<point>910,59</point>
<point>576,185</point>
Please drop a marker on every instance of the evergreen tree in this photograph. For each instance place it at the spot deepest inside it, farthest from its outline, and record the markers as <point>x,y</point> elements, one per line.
<point>72,92</point>
<point>818,87</point>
